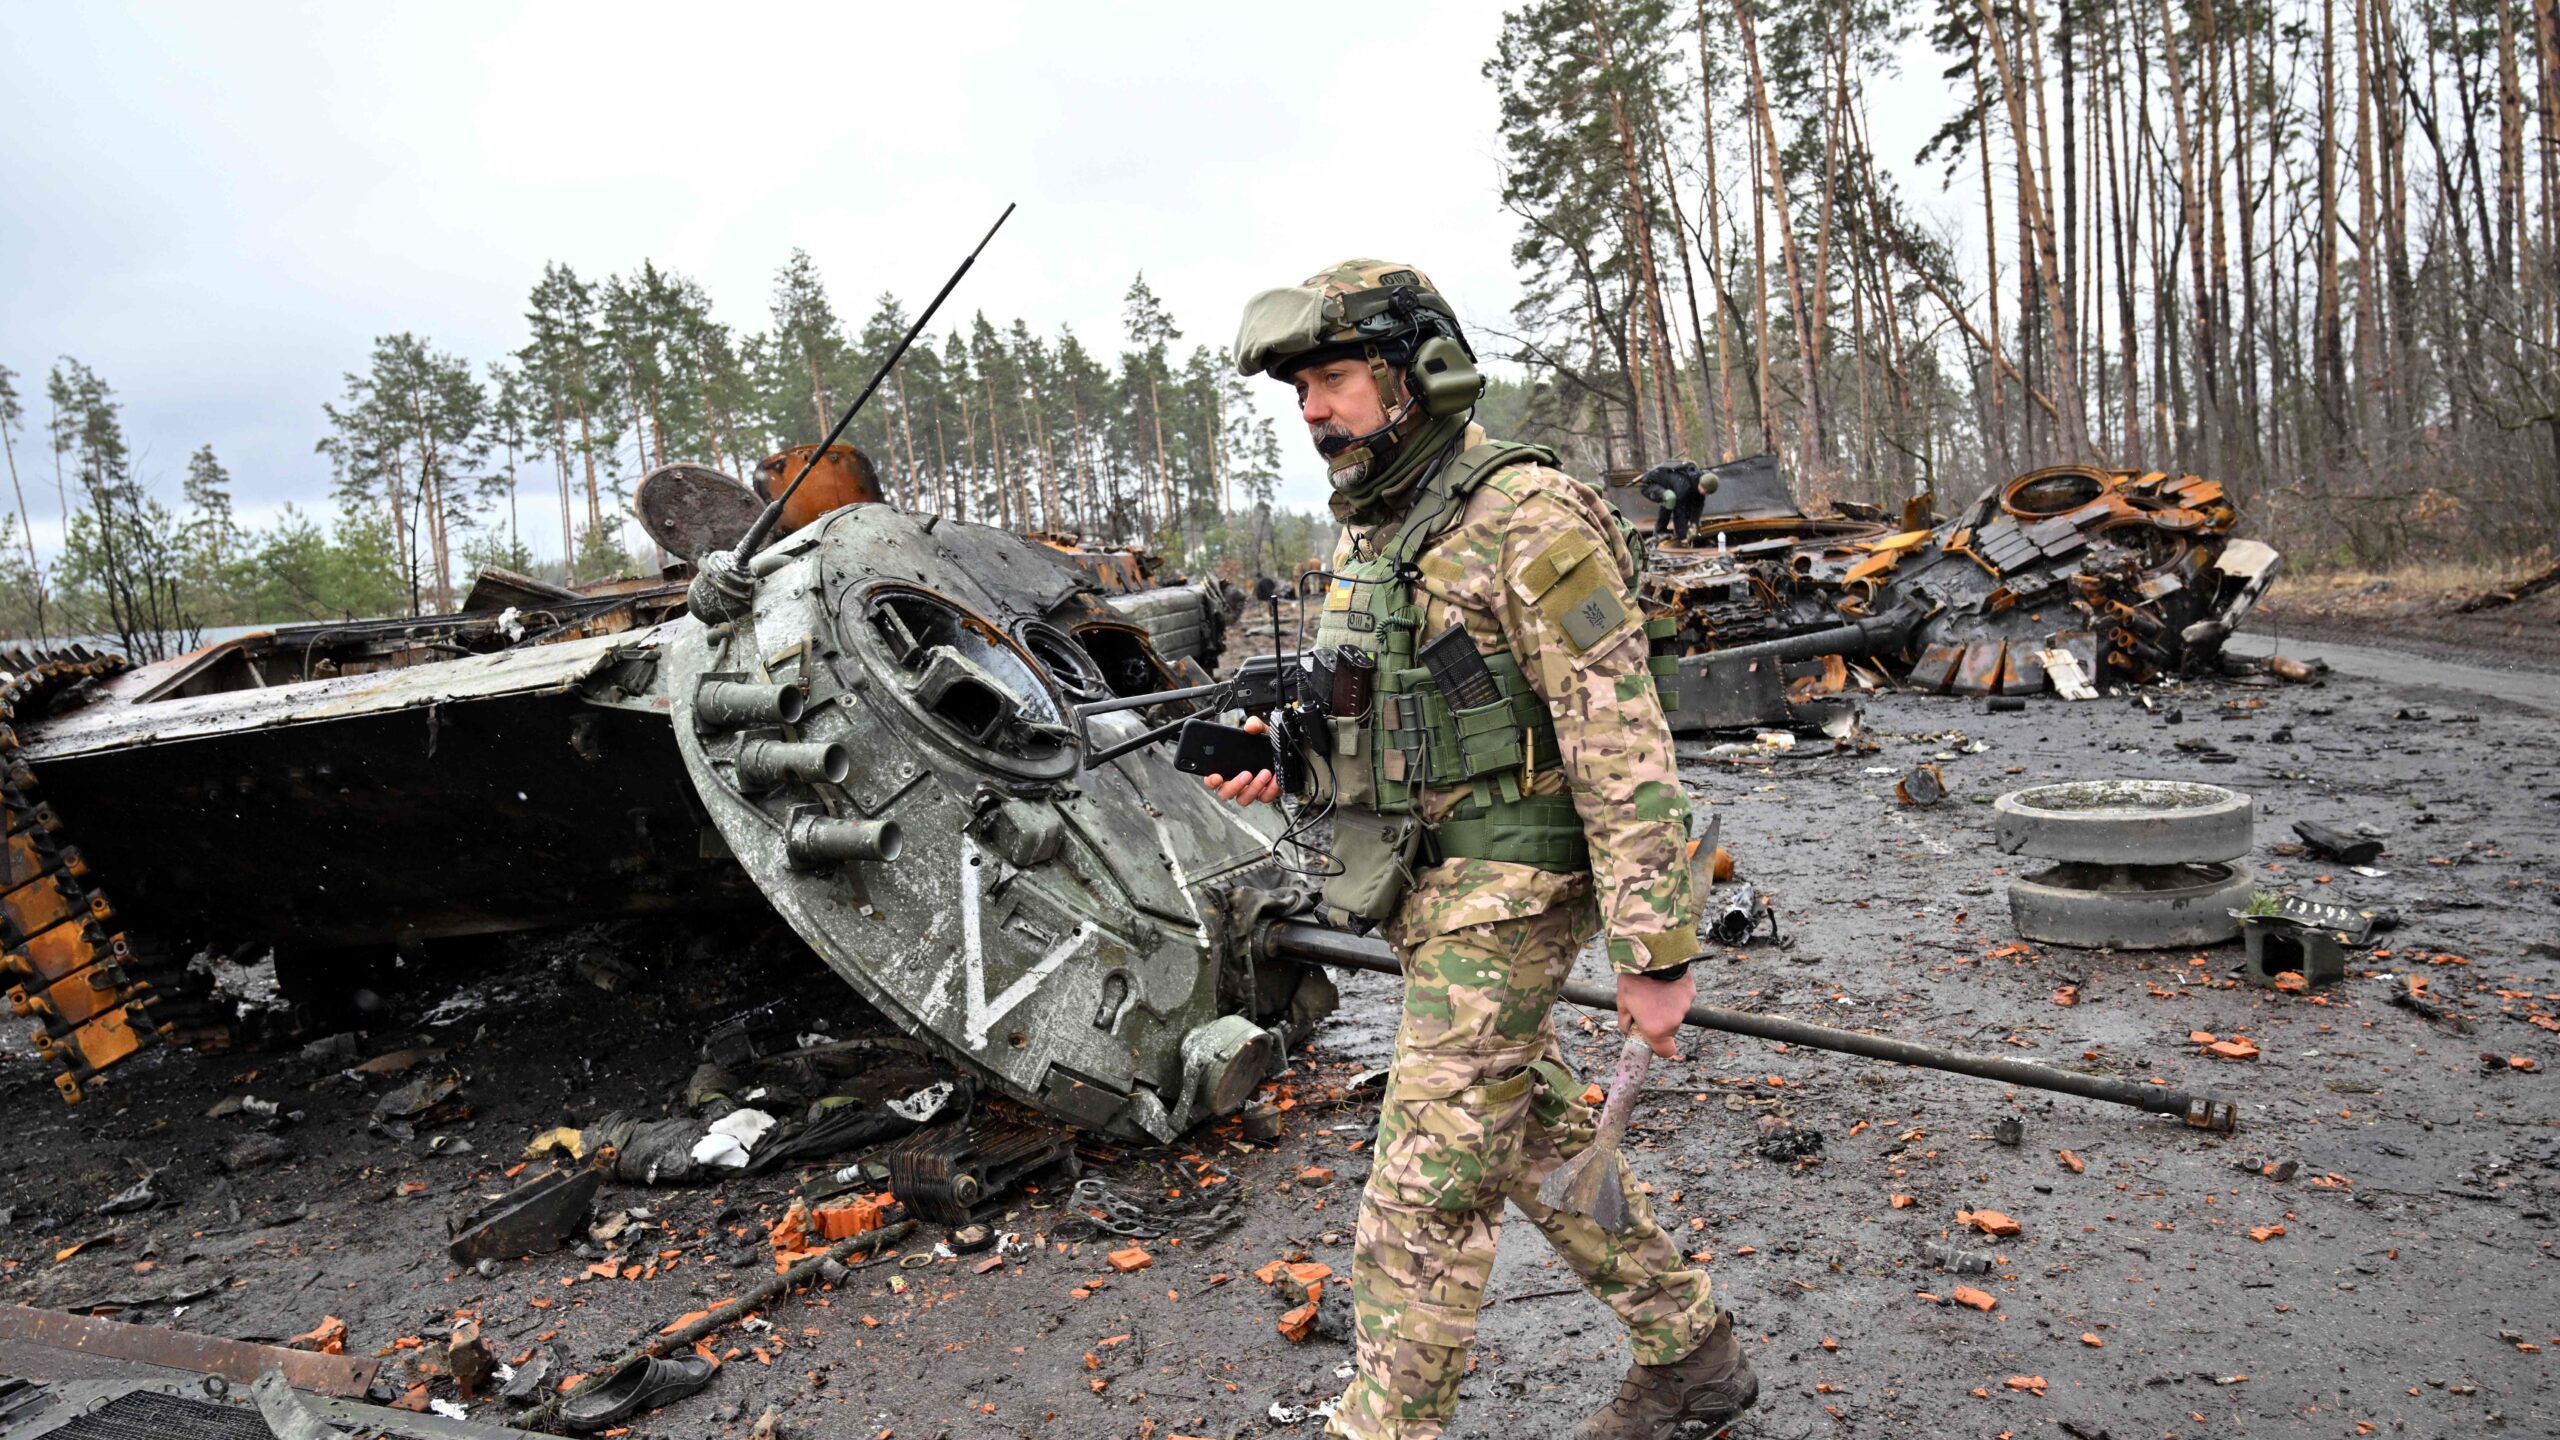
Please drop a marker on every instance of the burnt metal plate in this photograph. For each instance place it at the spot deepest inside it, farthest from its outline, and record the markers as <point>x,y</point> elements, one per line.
<point>235,1360</point>
<point>691,510</point>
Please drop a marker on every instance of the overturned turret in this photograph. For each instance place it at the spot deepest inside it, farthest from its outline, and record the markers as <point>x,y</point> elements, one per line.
<point>880,750</point>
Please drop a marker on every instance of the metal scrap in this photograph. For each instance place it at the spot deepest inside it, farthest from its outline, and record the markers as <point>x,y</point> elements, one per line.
<point>234,1360</point>
<point>2055,581</point>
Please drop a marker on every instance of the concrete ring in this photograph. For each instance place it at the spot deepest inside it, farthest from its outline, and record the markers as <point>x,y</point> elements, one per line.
<point>2134,907</point>
<point>2125,822</point>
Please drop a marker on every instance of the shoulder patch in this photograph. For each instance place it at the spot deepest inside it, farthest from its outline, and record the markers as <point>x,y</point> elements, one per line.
<point>1584,604</point>
<point>1562,555</point>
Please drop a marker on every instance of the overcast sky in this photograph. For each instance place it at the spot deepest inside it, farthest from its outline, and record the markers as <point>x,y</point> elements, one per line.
<point>218,206</point>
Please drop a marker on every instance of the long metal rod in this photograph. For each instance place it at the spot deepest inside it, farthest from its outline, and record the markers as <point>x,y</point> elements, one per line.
<point>756,533</point>
<point>1092,708</point>
<point>1298,940</point>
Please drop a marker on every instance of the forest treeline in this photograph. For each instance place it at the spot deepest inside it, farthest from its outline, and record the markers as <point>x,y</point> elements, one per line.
<point>434,455</point>
<point>2304,246</point>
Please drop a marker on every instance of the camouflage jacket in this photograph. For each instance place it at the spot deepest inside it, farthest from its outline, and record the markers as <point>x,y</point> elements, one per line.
<point>1488,571</point>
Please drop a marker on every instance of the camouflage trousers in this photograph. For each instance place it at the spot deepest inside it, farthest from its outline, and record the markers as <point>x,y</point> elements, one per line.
<point>1471,1120</point>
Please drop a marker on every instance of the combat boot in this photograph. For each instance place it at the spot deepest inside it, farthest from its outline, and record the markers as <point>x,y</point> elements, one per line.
<point>1710,1385</point>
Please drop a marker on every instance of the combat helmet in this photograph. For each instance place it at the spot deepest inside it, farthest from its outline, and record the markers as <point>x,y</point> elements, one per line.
<point>1393,317</point>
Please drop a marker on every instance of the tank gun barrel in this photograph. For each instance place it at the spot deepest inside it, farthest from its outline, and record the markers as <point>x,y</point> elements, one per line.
<point>1298,940</point>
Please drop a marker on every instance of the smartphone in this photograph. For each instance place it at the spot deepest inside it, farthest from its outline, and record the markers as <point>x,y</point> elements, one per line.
<point>1209,748</point>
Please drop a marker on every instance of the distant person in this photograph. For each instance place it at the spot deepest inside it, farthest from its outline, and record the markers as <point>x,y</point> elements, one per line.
<point>1683,498</point>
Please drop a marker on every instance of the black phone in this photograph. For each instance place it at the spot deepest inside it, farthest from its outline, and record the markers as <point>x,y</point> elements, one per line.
<point>1209,748</point>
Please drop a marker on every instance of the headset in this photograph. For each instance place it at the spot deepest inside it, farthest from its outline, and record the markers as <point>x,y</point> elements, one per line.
<point>1441,374</point>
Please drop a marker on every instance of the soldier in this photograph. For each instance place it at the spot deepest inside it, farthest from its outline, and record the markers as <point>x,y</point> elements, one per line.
<point>1508,792</point>
<point>1680,492</point>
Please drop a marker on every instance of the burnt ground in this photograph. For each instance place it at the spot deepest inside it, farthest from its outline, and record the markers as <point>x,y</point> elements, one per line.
<point>2410,1290</point>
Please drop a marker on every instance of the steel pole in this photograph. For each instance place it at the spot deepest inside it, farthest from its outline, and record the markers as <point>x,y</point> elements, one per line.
<point>1297,940</point>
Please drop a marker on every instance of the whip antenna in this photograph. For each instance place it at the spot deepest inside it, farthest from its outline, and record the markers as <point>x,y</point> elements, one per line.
<point>757,533</point>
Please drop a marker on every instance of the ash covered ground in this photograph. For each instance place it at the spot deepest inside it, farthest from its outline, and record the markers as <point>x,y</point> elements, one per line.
<point>2408,1291</point>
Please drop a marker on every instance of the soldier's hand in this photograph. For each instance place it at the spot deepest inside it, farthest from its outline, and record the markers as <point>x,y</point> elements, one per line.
<point>1655,1009</point>
<point>1257,788</point>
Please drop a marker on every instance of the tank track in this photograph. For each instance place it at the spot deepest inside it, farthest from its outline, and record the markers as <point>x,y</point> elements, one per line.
<point>96,994</point>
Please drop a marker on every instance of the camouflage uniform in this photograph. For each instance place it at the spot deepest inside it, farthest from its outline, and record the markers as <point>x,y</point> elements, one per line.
<point>1470,1119</point>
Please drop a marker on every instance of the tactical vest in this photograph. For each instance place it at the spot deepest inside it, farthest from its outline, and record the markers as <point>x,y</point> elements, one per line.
<point>1412,739</point>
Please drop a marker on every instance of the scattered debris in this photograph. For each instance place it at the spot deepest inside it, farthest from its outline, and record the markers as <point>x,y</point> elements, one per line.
<point>731,1138</point>
<point>2338,845</point>
<point>541,1215</point>
<point>1924,785</point>
<point>1947,1255</point>
<point>468,1361</point>
<point>251,1152</point>
<point>140,1195</point>
<point>2295,943</point>
<point>2126,574</point>
<point>643,1382</point>
<point>1743,914</point>
<point>1990,1222</point>
<point>1781,1141</point>
<point>236,1361</point>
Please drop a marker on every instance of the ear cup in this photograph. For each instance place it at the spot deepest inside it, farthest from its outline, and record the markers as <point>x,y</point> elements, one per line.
<point>1444,377</point>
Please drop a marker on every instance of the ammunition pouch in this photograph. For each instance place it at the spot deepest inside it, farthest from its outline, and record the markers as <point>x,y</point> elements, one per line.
<point>1377,854</point>
<point>1663,660</point>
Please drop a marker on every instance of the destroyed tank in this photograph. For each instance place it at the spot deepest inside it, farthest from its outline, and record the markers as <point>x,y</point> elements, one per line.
<point>2056,581</point>
<point>883,750</point>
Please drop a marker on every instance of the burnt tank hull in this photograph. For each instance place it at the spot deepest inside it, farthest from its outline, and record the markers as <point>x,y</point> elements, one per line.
<point>883,754</point>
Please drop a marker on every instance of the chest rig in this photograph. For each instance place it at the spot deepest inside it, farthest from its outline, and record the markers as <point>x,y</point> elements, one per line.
<point>1414,738</point>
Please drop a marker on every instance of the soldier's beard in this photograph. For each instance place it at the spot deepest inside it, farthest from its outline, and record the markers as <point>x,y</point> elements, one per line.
<point>1343,477</point>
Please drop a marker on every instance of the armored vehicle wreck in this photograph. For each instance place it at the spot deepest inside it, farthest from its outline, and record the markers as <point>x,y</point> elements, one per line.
<point>882,750</point>
<point>2127,575</point>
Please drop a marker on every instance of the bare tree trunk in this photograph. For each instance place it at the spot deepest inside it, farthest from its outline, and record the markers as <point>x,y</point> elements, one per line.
<point>2126,235</point>
<point>35,568</point>
<point>1763,398</point>
<point>1688,291</point>
<point>587,449</point>
<point>969,477</point>
<point>1883,279</point>
<point>1820,328</point>
<point>1715,239</point>
<point>2192,184</point>
<point>1998,417</point>
<point>912,493</point>
<point>2328,339</point>
<point>560,454</point>
<point>1809,411</point>
<point>2074,434</point>
<point>1640,221</point>
<point>2400,313</point>
<point>1084,470</point>
<point>2368,339</point>
<point>1164,472</point>
<point>2546,27</point>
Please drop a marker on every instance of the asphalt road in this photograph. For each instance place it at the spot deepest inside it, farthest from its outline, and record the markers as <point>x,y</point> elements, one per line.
<point>2519,683</point>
